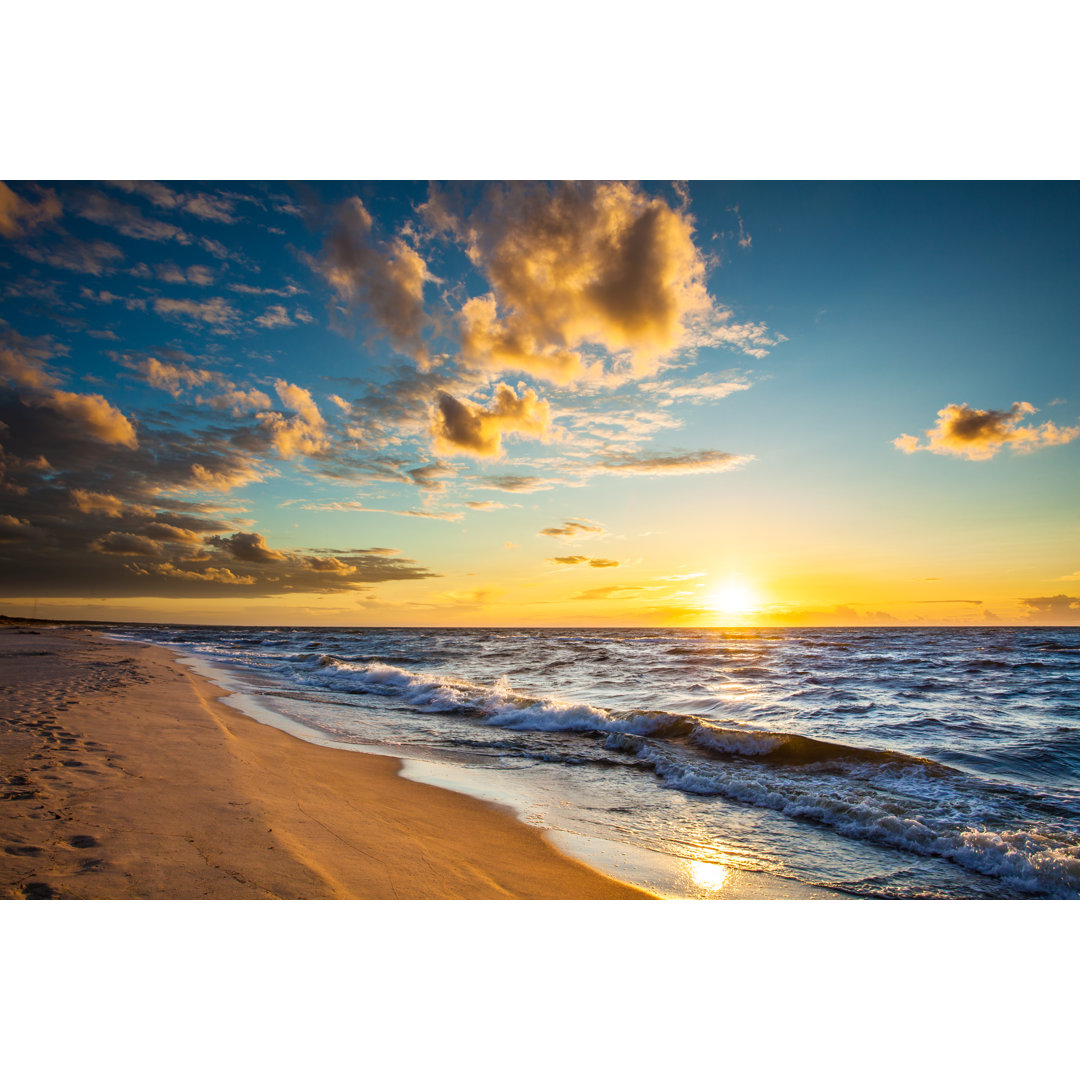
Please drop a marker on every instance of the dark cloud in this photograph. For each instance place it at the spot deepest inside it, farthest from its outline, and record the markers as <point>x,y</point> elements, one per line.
<point>86,518</point>
<point>19,216</point>
<point>386,278</point>
<point>461,427</point>
<point>246,547</point>
<point>121,543</point>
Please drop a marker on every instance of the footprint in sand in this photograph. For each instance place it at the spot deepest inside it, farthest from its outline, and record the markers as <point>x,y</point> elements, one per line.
<point>38,890</point>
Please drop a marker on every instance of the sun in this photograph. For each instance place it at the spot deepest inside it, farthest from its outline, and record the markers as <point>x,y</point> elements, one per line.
<point>733,597</point>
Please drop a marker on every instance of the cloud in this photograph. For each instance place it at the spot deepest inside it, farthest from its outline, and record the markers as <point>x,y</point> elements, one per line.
<point>571,530</point>
<point>94,257</point>
<point>94,415</point>
<point>360,508</point>
<point>577,560</point>
<point>216,312</point>
<point>19,216</point>
<point>221,475</point>
<point>22,362</point>
<point>486,505</point>
<point>608,592</point>
<point>652,463</point>
<point>511,482</point>
<point>431,477</point>
<point>978,434</point>
<point>219,575</point>
<point>238,401</point>
<point>174,378</point>
<point>580,265</point>
<point>1053,610</point>
<point>461,427</point>
<point>694,391</point>
<point>246,547</point>
<point>203,204</point>
<point>97,502</point>
<point>329,565</point>
<point>302,433</point>
<point>275,316</point>
<point>194,275</point>
<point>13,528</point>
<point>173,534</point>
<point>386,278</point>
<point>99,208</point>
<point>122,543</point>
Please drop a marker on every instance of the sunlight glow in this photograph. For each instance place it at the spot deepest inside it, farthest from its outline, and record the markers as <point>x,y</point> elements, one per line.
<point>733,597</point>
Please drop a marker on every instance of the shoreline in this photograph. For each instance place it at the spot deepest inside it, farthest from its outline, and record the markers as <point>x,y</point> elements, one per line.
<point>664,876</point>
<point>126,777</point>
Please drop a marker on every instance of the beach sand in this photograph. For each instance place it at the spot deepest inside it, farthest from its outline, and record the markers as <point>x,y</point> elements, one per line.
<point>122,776</point>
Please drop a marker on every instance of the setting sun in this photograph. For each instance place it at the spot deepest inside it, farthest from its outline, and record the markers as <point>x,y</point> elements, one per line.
<point>733,597</point>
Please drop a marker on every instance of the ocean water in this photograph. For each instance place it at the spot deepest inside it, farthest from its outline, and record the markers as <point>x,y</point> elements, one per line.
<point>890,763</point>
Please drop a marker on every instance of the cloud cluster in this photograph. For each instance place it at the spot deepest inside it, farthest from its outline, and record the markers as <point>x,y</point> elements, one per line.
<point>1053,610</point>
<point>462,427</point>
<point>979,434</point>
<point>23,365</point>
<point>203,204</point>
<point>175,379</point>
<point>19,216</point>
<point>216,313</point>
<point>574,265</point>
<point>386,278</point>
<point>304,432</point>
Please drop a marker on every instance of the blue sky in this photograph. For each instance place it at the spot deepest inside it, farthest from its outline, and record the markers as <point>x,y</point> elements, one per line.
<point>540,403</point>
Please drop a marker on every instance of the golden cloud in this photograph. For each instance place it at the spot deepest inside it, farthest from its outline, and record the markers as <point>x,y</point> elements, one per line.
<point>571,530</point>
<point>96,502</point>
<point>979,434</point>
<point>462,427</point>
<point>95,416</point>
<point>302,433</point>
<point>577,560</point>
<point>575,265</point>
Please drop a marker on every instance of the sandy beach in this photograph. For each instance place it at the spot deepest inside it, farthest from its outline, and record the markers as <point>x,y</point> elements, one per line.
<point>124,776</point>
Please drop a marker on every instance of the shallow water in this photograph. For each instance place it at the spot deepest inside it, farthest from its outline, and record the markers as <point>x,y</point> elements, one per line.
<point>883,763</point>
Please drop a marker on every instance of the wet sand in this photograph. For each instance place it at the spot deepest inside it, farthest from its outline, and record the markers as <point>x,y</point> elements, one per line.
<point>122,776</point>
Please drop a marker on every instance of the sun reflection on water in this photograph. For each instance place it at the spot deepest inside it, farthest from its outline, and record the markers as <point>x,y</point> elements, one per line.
<point>710,876</point>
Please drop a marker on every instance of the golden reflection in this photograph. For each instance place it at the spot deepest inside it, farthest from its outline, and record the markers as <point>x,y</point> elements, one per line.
<point>708,875</point>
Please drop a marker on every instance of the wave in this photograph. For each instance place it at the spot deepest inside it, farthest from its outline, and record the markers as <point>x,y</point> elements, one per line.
<point>884,797</point>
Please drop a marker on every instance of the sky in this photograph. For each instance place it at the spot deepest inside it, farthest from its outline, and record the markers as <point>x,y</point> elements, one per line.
<point>529,404</point>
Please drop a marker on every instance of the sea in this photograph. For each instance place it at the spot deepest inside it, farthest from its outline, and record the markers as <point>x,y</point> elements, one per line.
<point>812,763</point>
